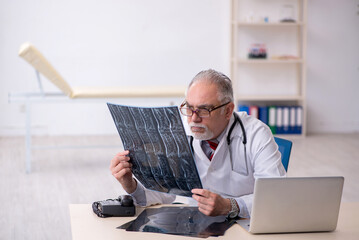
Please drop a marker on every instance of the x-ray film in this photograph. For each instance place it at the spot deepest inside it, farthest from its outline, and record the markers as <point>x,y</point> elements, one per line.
<point>185,221</point>
<point>159,150</point>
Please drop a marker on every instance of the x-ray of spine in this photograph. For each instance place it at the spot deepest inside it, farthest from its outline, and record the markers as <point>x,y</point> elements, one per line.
<point>159,150</point>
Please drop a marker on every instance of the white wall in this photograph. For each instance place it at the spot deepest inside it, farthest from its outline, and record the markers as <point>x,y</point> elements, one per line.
<point>333,66</point>
<point>164,42</point>
<point>111,43</point>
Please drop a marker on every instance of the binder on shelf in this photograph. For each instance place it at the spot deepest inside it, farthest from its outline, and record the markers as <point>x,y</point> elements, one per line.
<point>292,119</point>
<point>299,120</point>
<point>286,120</point>
<point>243,108</point>
<point>253,111</point>
<point>263,114</point>
<point>279,120</point>
<point>272,119</point>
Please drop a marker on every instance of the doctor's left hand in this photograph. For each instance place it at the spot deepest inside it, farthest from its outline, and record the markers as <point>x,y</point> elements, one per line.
<point>211,204</point>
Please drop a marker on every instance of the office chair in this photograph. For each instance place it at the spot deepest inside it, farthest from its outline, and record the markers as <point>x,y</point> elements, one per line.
<point>285,147</point>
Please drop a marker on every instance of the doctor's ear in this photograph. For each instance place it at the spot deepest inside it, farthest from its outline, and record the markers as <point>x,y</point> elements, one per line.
<point>229,110</point>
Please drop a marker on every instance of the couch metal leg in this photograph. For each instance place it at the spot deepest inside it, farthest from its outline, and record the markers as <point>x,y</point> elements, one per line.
<point>28,139</point>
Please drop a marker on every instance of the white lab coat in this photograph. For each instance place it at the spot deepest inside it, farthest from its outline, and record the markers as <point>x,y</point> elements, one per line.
<point>231,178</point>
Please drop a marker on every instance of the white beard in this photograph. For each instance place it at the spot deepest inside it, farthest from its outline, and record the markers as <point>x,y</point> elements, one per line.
<point>206,135</point>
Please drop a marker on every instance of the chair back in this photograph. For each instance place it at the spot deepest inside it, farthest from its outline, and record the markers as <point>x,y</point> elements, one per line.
<point>285,147</point>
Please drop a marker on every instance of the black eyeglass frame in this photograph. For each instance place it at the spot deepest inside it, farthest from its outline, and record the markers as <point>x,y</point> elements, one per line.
<point>198,109</point>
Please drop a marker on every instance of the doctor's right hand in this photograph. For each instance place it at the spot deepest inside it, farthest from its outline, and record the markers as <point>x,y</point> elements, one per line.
<point>120,168</point>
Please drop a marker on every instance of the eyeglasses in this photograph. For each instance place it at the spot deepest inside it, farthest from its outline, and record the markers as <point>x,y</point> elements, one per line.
<point>201,112</point>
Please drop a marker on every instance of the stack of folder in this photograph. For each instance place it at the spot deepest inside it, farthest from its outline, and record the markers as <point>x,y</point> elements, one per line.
<point>280,119</point>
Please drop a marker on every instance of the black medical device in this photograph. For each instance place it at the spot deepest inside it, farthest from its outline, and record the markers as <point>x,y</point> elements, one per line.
<point>121,207</point>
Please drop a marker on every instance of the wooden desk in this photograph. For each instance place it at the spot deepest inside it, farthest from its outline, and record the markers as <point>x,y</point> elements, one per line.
<point>86,225</point>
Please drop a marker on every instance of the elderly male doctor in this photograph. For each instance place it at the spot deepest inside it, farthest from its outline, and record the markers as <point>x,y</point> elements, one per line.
<point>228,164</point>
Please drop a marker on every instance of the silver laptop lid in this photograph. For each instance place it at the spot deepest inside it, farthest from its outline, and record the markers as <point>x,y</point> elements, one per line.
<point>307,204</point>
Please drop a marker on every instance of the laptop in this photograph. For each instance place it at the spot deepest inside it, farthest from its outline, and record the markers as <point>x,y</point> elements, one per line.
<point>295,204</point>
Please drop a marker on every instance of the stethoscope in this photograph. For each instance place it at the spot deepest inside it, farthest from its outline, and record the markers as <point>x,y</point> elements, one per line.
<point>244,141</point>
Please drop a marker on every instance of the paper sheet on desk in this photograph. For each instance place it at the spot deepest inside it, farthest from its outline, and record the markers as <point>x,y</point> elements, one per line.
<point>185,221</point>
<point>159,149</point>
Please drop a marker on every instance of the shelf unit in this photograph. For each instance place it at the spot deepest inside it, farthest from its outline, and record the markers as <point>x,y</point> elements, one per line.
<point>280,79</point>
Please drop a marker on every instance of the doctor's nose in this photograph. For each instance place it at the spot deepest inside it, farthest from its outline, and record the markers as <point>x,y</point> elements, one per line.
<point>195,118</point>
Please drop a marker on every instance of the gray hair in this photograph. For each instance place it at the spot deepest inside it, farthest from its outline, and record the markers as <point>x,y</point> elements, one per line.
<point>224,84</point>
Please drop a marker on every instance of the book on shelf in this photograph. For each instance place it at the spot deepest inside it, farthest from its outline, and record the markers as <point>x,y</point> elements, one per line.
<point>299,120</point>
<point>263,114</point>
<point>292,119</point>
<point>253,111</point>
<point>286,119</point>
<point>280,119</point>
<point>272,119</point>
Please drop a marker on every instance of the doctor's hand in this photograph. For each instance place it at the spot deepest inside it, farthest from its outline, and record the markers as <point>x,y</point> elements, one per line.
<point>121,170</point>
<point>211,204</point>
